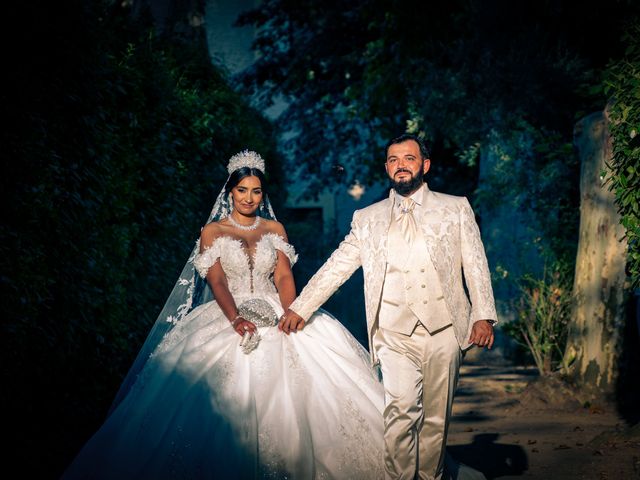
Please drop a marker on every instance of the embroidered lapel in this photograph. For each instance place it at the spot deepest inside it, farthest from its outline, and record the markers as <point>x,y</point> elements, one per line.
<point>430,221</point>
<point>384,226</point>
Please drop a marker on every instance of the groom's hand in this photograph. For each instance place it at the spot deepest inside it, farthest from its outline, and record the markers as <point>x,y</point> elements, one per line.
<point>290,322</point>
<point>482,334</point>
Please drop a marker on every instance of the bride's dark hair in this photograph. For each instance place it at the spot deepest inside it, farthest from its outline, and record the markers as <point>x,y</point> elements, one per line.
<point>236,177</point>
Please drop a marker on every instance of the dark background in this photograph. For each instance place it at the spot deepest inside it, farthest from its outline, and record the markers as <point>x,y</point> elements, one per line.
<point>117,130</point>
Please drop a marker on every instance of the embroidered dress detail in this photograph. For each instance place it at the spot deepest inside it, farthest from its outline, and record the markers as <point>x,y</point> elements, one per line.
<point>247,272</point>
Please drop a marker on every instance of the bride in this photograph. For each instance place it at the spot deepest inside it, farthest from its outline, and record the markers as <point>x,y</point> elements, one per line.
<point>218,391</point>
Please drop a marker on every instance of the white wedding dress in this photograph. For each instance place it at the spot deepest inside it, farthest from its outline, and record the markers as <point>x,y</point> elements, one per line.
<point>301,406</point>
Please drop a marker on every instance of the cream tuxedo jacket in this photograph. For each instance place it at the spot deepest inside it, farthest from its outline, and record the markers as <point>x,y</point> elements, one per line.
<point>455,247</point>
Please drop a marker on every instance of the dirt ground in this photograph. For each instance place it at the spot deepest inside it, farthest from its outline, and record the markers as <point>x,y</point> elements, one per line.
<point>509,424</point>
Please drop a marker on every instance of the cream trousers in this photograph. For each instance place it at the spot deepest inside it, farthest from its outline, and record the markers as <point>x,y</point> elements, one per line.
<point>419,373</point>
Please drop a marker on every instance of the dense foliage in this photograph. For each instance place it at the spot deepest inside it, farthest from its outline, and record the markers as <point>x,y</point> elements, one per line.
<point>544,311</point>
<point>115,143</point>
<point>453,71</point>
<point>533,178</point>
<point>622,85</point>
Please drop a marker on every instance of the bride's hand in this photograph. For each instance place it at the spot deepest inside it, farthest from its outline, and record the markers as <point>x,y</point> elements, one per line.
<point>242,326</point>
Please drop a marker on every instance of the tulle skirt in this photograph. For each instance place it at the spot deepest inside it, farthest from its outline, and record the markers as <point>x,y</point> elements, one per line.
<point>300,406</point>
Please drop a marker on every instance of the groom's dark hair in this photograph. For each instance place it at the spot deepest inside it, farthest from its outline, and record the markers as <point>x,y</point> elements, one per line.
<point>424,150</point>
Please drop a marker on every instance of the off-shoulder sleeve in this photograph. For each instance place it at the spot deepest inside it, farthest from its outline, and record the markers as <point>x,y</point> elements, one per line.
<point>209,256</point>
<point>279,244</point>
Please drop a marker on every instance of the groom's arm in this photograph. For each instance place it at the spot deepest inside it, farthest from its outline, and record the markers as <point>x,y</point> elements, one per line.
<point>478,279</point>
<point>335,271</point>
<point>475,267</point>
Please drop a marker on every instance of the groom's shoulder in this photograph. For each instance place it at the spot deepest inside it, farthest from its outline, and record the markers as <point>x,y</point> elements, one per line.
<point>447,197</point>
<point>435,199</point>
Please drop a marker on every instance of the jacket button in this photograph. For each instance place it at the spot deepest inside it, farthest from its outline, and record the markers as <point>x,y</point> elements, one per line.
<point>424,286</point>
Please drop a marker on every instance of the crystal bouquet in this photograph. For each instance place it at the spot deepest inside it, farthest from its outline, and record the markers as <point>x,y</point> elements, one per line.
<point>261,314</point>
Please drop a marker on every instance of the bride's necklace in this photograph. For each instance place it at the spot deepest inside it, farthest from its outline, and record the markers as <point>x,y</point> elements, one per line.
<point>253,226</point>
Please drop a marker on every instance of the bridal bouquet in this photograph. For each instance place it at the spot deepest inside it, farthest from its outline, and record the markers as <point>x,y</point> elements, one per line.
<point>261,314</point>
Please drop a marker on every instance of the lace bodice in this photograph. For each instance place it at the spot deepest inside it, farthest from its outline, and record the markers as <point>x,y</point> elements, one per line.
<point>246,272</point>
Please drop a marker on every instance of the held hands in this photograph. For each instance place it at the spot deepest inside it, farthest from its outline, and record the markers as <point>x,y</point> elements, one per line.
<point>482,334</point>
<point>290,321</point>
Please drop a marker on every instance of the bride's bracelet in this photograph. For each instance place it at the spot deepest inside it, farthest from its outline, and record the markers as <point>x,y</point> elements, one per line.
<point>235,319</point>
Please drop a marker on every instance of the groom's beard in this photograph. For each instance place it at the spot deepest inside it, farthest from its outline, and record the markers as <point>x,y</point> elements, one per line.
<point>408,186</point>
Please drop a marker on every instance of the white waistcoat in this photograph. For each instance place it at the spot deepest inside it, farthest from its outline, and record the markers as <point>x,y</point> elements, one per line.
<point>411,292</point>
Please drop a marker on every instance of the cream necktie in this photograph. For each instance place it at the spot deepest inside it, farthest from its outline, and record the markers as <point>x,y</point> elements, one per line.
<point>406,219</point>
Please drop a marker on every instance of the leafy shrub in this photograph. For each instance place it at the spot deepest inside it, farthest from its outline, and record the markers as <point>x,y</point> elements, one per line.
<point>622,85</point>
<point>544,313</point>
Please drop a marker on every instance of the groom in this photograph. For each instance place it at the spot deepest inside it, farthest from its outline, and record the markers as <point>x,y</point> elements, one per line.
<point>414,248</point>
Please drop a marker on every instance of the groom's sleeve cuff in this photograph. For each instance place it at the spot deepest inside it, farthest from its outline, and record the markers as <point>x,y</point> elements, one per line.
<point>300,310</point>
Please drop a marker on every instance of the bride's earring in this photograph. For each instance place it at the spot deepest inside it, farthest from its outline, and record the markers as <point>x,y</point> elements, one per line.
<point>230,202</point>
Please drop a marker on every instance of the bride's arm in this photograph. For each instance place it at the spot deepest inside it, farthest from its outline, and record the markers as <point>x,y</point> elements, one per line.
<point>217,280</point>
<point>283,276</point>
<point>283,279</point>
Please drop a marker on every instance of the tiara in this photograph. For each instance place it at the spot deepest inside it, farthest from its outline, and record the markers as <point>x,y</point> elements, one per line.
<point>245,158</point>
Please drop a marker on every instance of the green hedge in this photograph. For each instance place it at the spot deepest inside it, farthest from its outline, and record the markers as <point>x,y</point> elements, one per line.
<point>116,148</point>
<point>622,85</point>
